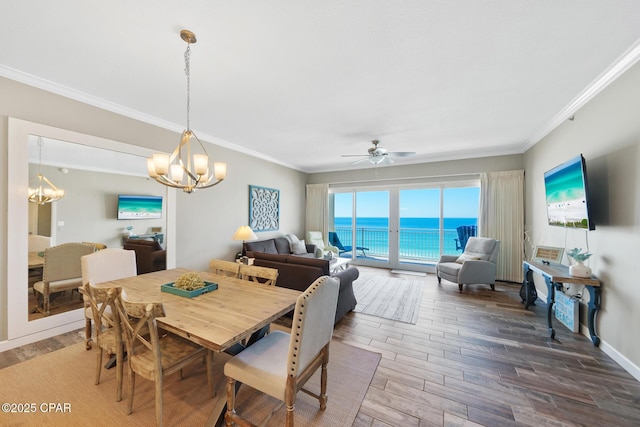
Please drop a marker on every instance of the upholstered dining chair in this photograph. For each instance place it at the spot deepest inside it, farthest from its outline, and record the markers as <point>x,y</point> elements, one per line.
<point>153,357</point>
<point>61,271</point>
<point>103,266</point>
<point>476,265</point>
<point>224,268</point>
<point>280,364</point>
<point>262,275</point>
<point>108,329</point>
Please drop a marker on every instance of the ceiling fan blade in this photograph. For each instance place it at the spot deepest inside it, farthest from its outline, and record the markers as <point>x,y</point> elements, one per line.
<point>361,160</point>
<point>354,155</point>
<point>401,153</point>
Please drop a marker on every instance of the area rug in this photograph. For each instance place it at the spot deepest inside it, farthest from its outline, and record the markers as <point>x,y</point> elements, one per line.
<point>58,389</point>
<point>389,297</point>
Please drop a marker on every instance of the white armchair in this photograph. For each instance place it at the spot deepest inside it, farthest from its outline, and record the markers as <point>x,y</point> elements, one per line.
<point>315,238</point>
<point>476,265</point>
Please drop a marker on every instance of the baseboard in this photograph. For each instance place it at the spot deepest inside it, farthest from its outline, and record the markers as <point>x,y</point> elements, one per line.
<point>39,336</point>
<point>610,351</point>
<point>412,273</point>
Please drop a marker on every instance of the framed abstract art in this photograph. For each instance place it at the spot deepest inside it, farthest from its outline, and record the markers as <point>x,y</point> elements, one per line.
<point>264,208</point>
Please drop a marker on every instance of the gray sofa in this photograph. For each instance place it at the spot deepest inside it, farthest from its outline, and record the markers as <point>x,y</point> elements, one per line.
<point>295,272</point>
<point>277,245</point>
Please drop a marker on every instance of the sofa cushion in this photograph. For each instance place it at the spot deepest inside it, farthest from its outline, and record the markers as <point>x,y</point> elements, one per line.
<point>282,245</point>
<point>266,246</point>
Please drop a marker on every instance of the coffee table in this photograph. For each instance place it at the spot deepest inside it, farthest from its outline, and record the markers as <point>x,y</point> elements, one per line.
<point>339,264</point>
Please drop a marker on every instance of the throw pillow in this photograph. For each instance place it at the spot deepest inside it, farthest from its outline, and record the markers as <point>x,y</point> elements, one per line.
<point>465,257</point>
<point>299,247</point>
<point>292,239</point>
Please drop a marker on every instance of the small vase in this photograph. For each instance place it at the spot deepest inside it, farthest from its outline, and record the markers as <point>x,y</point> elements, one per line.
<point>580,270</point>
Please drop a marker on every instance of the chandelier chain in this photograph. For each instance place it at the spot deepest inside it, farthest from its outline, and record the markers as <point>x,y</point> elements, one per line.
<point>187,71</point>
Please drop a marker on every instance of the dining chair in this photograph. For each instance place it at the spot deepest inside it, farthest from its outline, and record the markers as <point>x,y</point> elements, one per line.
<point>224,268</point>
<point>262,275</point>
<point>281,363</point>
<point>153,357</point>
<point>108,329</point>
<point>103,266</point>
<point>37,243</point>
<point>61,271</point>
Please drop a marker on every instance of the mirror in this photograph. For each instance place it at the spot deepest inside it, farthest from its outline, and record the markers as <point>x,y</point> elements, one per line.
<point>92,178</point>
<point>106,226</point>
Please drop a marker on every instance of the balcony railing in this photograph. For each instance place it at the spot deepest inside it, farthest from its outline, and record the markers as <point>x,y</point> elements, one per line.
<point>417,244</point>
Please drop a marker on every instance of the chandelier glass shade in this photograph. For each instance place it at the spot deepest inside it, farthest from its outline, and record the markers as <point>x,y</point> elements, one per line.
<point>41,190</point>
<point>188,167</point>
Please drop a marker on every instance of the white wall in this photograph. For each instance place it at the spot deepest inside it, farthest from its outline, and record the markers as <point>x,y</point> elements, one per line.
<point>206,219</point>
<point>607,132</point>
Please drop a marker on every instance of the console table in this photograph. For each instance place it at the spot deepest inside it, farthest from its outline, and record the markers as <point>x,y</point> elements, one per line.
<point>158,237</point>
<point>554,276</point>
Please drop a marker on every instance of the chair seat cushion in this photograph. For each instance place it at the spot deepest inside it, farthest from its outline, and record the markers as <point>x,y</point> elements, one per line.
<point>263,365</point>
<point>59,285</point>
<point>451,268</point>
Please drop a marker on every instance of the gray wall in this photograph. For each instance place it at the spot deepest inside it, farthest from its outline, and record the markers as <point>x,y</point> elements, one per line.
<point>607,132</point>
<point>206,219</point>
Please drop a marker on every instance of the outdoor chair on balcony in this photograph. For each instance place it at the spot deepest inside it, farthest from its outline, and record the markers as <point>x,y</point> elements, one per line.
<point>334,240</point>
<point>464,232</point>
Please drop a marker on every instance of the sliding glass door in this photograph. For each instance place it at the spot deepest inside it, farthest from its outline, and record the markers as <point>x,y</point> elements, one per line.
<point>405,228</point>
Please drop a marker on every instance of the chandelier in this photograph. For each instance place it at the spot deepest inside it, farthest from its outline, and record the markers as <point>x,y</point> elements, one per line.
<point>188,167</point>
<point>41,190</point>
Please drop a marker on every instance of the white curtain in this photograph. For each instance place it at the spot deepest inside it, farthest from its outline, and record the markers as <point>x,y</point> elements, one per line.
<point>502,217</point>
<point>317,208</point>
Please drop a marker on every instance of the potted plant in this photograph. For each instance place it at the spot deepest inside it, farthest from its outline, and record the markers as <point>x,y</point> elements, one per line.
<point>579,269</point>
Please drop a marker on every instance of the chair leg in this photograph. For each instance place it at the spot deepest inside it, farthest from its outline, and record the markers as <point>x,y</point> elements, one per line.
<point>493,286</point>
<point>439,280</point>
<point>98,365</point>
<point>119,372</point>
<point>159,400</point>
<point>132,386</point>
<point>209,361</point>
<point>460,287</point>
<point>87,333</point>
<point>231,402</point>
<point>323,381</point>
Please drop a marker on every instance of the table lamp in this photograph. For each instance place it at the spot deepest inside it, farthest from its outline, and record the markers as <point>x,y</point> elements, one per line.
<point>244,233</point>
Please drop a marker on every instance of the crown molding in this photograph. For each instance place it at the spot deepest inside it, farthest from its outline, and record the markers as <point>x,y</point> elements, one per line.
<point>615,70</point>
<point>76,95</point>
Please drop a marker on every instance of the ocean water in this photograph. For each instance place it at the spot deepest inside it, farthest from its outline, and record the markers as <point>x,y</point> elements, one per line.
<point>419,237</point>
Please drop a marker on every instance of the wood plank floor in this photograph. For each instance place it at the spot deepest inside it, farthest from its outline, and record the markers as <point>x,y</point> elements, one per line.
<point>475,358</point>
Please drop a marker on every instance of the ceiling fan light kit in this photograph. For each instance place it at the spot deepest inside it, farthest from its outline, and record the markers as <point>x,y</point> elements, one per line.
<point>378,155</point>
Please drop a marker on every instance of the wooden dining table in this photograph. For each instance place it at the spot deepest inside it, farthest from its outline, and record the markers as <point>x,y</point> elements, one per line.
<point>35,260</point>
<point>215,320</point>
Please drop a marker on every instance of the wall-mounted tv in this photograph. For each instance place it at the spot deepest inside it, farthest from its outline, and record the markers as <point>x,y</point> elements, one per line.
<point>567,195</point>
<point>139,207</point>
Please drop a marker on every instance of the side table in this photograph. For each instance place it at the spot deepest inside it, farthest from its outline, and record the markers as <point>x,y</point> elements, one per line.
<point>554,276</point>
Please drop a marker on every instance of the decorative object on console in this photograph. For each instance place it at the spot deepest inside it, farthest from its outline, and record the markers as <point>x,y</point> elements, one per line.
<point>579,269</point>
<point>171,170</point>
<point>547,254</point>
<point>264,208</point>
<point>43,191</point>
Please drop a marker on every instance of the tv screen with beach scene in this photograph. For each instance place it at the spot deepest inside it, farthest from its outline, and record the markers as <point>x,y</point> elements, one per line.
<point>139,207</point>
<point>568,196</point>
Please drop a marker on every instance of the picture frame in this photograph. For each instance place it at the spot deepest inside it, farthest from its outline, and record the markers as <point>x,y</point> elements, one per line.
<point>264,208</point>
<point>548,254</point>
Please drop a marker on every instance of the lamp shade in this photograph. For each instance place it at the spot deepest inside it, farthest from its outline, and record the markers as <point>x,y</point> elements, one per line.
<point>244,232</point>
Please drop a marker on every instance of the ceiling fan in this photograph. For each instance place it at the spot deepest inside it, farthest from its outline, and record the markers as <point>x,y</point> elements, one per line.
<point>379,155</point>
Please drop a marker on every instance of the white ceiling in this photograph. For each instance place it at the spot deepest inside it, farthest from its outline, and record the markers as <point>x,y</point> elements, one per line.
<point>302,82</point>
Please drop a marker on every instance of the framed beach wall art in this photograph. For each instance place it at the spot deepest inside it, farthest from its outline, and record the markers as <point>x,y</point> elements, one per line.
<point>264,208</point>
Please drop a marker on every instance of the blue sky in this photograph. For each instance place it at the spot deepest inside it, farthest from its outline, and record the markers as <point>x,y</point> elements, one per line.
<point>418,203</point>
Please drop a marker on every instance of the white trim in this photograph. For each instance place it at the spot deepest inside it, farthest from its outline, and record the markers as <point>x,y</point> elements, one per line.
<point>615,70</point>
<point>626,364</point>
<point>49,86</point>
<point>39,336</point>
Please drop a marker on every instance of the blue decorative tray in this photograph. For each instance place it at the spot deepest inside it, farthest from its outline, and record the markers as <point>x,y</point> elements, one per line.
<point>208,287</point>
